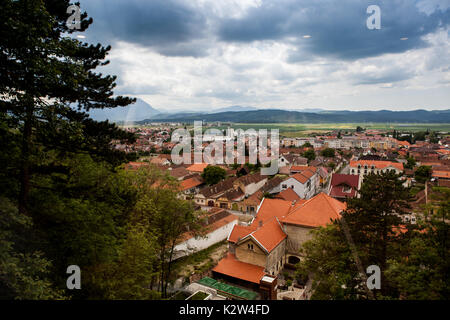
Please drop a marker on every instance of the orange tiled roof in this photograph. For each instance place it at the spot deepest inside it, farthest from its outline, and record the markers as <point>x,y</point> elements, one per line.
<point>377,164</point>
<point>288,195</point>
<point>269,235</point>
<point>299,168</point>
<point>316,212</point>
<point>441,174</point>
<point>190,183</point>
<point>403,143</point>
<point>232,267</point>
<point>271,208</point>
<point>197,167</point>
<point>240,232</point>
<point>305,174</point>
<point>443,151</point>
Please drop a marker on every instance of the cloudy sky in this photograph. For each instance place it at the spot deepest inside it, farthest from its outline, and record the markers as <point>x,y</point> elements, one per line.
<point>288,54</point>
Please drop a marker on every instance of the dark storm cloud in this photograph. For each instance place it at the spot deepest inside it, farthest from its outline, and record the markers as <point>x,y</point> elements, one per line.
<point>337,28</point>
<point>170,27</point>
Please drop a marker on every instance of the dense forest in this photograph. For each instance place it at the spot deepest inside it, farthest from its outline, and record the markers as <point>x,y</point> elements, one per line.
<point>65,197</point>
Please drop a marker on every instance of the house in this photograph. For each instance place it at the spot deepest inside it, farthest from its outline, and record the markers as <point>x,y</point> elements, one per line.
<point>442,177</point>
<point>304,183</point>
<point>250,205</point>
<point>316,212</point>
<point>208,195</point>
<point>179,173</point>
<point>230,199</point>
<point>197,167</point>
<point>291,159</point>
<point>273,185</point>
<point>160,160</point>
<point>251,183</point>
<point>191,186</point>
<point>343,186</point>
<point>274,237</point>
<point>364,167</point>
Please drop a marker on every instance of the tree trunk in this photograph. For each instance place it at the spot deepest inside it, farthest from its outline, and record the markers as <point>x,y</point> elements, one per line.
<point>169,268</point>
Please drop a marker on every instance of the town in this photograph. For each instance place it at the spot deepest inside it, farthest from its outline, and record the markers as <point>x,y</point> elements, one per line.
<point>260,222</point>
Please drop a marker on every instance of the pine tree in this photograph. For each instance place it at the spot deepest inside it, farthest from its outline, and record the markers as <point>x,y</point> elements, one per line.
<point>47,85</point>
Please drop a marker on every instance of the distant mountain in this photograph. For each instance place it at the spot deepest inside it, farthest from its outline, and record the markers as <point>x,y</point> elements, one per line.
<point>234,109</point>
<point>311,110</point>
<point>134,112</point>
<point>283,116</point>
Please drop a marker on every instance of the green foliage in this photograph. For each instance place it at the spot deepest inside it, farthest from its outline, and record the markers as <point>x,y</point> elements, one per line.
<point>213,174</point>
<point>309,154</point>
<point>24,273</point>
<point>328,152</point>
<point>422,273</point>
<point>129,275</point>
<point>74,205</point>
<point>423,173</point>
<point>410,163</point>
<point>373,220</point>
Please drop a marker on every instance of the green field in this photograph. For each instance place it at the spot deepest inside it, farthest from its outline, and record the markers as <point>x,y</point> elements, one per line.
<point>305,129</point>
<point>298,130</point>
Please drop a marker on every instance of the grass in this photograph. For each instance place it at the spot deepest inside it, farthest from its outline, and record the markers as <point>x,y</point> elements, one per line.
<point>200,261</point>
<point>303,129</point>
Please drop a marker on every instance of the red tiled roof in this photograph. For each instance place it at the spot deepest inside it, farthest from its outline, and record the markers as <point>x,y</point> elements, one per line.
<point>316,212</point>
<point>232,267</point>
<point>338,192</point>
<point>349,179</point>
<point>377,164</point>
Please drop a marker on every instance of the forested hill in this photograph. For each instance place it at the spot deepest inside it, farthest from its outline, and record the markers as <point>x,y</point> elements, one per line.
<point>283,116</point>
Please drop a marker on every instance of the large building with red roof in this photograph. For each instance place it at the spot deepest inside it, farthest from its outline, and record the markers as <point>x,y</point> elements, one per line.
<point>364,167</point>
<point>274,237</point>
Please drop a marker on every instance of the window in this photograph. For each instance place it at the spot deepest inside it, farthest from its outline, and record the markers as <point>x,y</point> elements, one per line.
<point>250,246</point>
<point>284,186</point>
<point>346,189</point>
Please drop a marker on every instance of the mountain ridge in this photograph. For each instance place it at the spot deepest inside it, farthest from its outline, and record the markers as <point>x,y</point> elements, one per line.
<point>289,116</point>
